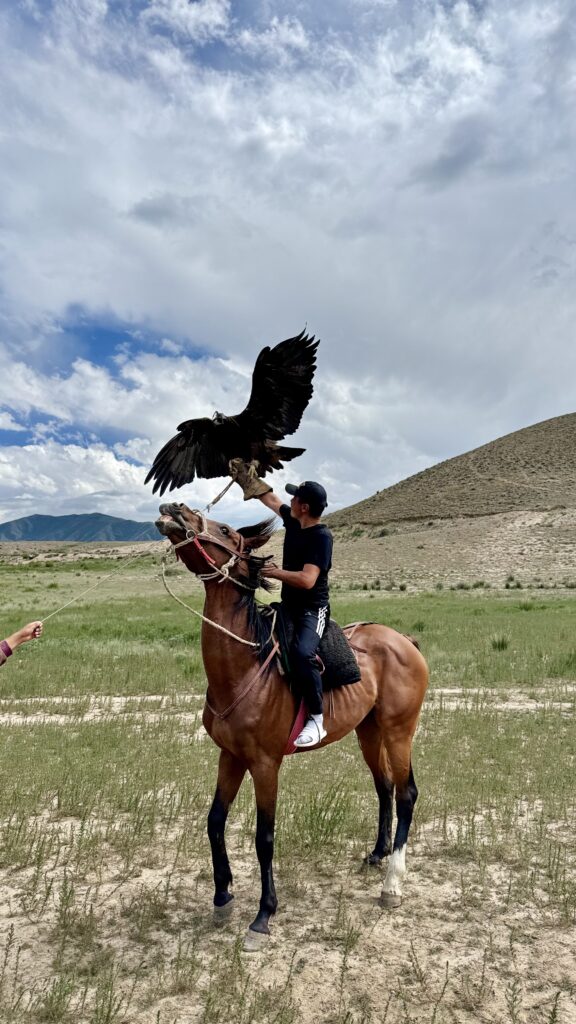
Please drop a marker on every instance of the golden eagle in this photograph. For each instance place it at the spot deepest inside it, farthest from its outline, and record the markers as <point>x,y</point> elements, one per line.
<point>281,390</point>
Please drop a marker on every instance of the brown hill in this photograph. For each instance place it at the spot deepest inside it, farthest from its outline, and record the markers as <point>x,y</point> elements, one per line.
<point>500,515</point>
<point>533,469</point>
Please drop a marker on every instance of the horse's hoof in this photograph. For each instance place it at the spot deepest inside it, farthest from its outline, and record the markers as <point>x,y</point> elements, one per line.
<point>390,900</point>
<point>221,915</point>
<point>255,942</point>
<point>372,861</point>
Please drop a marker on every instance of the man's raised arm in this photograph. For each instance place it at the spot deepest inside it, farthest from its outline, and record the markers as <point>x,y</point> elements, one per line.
<point>253,486</point>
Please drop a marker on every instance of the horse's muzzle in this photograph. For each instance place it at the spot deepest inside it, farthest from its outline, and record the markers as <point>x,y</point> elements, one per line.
<point>170,520</point>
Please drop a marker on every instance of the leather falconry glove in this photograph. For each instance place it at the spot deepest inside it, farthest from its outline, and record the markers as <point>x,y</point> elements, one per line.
<point>244,474</point>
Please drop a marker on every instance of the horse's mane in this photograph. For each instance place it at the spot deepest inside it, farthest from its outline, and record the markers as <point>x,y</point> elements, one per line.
<point>259,616</point>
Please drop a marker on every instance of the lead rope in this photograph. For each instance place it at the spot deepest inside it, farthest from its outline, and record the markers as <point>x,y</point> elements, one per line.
<point>103,580</point>
<point>222,629</point>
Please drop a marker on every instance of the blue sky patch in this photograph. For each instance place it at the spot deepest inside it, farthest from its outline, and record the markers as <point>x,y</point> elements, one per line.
<point>102,339</point>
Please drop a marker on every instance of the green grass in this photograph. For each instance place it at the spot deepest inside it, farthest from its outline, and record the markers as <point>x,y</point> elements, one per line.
<point>103,850</point>
<point>146,643</point>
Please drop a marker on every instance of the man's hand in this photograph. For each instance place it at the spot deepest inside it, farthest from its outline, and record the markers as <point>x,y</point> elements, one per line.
<point>29,632</point>
<point>272,572</point>
<point>244,474</point>
<point>302,580</point>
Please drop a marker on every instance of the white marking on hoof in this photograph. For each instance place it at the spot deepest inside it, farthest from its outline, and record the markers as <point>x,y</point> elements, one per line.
<point>394,875</point>
<point>254,942</point>
<point>221,915</point>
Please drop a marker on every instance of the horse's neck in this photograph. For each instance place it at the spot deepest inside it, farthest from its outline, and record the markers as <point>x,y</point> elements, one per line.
<point>226,660</point>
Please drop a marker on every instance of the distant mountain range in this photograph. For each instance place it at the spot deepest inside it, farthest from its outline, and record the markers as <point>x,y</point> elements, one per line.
<point>83,528</point>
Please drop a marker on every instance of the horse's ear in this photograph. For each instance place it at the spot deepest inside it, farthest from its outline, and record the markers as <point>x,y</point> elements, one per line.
<point>259,534</point>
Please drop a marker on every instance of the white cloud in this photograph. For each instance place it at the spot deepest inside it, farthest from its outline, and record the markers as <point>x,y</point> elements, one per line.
<point>280,40</point>
<point>398,177</point>
<point>199,20</point>
<point>7,422</point>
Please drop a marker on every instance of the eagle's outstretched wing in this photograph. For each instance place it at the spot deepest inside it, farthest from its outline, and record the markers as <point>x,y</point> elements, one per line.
<point>281,390</point>
<point>193,451</point>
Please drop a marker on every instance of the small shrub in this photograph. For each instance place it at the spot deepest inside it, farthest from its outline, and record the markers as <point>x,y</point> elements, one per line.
<point>499,643</point>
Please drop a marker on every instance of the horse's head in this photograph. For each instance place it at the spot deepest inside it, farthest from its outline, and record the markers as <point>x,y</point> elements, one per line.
<point>206,546</point>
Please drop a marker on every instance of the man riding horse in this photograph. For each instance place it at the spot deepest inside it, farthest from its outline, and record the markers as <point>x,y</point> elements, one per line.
<point>306,562</point>
<point>249,712</point>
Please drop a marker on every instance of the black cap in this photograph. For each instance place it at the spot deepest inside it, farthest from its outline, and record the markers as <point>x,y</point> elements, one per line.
<point>310,492</point>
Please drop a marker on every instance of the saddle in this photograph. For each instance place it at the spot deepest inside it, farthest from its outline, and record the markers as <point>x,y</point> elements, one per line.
<point>338,664</point>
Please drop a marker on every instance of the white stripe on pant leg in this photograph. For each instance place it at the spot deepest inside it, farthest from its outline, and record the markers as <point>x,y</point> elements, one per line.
<point>321,621</point>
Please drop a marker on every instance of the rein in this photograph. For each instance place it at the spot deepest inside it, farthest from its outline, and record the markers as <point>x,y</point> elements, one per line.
<point>224,714</point>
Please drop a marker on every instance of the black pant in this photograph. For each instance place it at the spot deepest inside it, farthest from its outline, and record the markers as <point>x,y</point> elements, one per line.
<point>309,626</point>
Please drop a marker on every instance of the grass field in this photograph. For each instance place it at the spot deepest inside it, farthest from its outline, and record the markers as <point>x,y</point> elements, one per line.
<point>106,780</point>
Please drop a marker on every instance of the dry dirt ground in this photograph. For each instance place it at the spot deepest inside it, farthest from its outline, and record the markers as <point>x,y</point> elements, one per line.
<point>464,947</point>
<point>535,547</point>
<point>457,950</point>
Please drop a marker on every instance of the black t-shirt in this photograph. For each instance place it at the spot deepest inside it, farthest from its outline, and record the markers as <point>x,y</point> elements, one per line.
<point>309,546</point>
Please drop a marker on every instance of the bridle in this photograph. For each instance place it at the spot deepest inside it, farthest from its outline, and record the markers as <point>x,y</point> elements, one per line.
<point>195,536</point>
<point>223,571</point>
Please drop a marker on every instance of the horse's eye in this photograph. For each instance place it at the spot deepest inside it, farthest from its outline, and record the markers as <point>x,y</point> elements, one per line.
<point>225,531</point>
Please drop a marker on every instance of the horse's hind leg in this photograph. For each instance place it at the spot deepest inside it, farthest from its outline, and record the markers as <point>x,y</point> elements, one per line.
<point>230,775</point>
<point>399,752</point>
<point>374,753</point>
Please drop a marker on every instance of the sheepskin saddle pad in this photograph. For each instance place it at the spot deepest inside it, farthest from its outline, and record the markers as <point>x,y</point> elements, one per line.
<point>340,667</point>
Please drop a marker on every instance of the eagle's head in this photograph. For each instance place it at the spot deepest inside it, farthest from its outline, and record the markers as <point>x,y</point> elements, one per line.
<point>219,417</point>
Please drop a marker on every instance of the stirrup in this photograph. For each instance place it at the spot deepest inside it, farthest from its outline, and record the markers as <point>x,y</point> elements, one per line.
<point>311,735</point>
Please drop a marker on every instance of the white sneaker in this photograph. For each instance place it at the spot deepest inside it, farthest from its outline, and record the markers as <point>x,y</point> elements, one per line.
<point>312,733</point>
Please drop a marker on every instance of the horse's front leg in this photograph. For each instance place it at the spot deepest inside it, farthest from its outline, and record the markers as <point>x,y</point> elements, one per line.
<point>230,774</point>
<point>265,776</point>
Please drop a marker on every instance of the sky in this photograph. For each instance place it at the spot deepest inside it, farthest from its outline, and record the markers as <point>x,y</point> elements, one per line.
<point>185,181</point>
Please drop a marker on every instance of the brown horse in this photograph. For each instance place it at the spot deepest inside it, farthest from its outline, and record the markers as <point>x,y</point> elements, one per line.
<point>250,710</point>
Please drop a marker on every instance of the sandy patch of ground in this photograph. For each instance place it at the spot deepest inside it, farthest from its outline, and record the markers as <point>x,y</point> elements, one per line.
<point>459,949</point>
<point>156,707</point>
<point>536,699</point>
<point>97,708</point>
